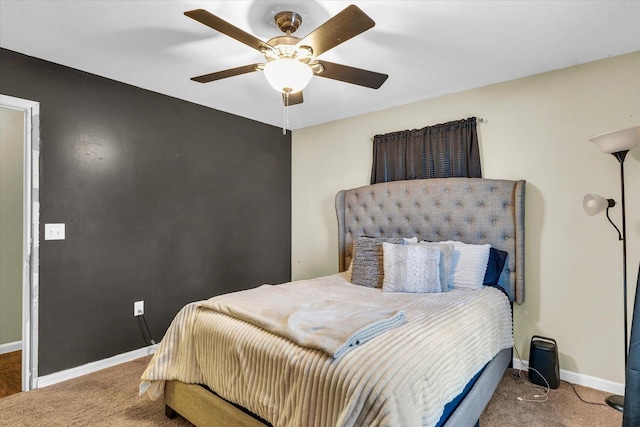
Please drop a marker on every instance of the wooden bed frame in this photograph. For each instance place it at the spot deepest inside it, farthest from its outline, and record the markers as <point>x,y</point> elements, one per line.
<point>204,408</point>
<point>473,210</point>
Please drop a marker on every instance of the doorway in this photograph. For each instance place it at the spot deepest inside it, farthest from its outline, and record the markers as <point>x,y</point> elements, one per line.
<point>28,240</point>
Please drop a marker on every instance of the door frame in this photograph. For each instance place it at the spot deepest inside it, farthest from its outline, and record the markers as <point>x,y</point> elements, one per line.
<point>30,236</point>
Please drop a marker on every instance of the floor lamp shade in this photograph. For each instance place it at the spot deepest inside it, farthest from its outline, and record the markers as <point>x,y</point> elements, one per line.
<point>594,204</point>
<point>621,140</point>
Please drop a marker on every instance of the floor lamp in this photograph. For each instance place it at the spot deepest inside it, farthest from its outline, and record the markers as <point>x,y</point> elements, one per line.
<point>617,144</point>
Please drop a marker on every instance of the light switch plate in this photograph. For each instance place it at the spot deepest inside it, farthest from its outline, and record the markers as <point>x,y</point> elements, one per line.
<point>54,232</point>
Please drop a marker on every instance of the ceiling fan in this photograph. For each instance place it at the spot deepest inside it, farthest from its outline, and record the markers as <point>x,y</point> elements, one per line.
<point>291,61</point>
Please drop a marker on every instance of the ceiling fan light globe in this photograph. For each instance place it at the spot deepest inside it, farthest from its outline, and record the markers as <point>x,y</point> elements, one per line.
<point>288,75</point>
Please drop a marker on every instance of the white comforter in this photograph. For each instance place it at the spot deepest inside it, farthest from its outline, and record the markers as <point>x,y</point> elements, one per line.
<point>403,377</point>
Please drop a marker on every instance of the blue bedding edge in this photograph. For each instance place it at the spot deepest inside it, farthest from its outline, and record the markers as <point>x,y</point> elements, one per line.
<point>452,405</point>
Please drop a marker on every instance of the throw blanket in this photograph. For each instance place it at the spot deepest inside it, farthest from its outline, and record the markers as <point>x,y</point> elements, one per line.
<point>310,316</point>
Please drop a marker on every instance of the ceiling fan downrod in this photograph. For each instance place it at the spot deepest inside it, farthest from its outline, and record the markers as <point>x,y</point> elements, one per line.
<point>288,22</point>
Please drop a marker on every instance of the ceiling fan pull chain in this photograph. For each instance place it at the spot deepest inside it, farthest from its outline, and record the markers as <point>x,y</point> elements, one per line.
<point>284,115</point>
<point>285,123</point>
<point>286,112</point>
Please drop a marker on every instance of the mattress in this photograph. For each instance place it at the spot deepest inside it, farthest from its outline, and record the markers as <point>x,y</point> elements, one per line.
<point>404,377</point>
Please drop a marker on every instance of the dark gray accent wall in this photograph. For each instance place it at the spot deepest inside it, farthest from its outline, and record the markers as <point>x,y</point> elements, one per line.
<point>164,201</point>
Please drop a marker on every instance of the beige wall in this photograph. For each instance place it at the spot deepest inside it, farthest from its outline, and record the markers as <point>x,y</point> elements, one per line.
<point>11,172</point>
<point>537,129</point>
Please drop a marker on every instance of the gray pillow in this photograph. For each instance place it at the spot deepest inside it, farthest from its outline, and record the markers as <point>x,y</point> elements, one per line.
<point>368,265</point>
<point>446,262</point>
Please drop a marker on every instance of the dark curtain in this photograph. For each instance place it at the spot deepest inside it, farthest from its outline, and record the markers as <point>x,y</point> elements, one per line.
<point>441,151</point>
<point>631,415</point>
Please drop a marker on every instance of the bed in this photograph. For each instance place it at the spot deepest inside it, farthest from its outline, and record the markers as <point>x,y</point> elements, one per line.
<point>192,374</point>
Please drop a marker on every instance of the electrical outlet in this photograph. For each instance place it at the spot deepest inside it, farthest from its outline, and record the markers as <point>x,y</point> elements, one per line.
<point>138,308</point>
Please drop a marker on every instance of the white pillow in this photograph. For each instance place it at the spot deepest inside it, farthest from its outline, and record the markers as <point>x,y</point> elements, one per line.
<point>411,268</point>
<point>469,264</point>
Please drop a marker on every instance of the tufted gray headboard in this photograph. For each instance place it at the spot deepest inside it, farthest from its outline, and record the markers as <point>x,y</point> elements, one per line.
<point>471,210</point>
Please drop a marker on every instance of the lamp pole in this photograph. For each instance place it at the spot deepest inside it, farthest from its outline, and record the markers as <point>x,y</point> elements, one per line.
<point>620,155</point>
<point>617,401</point>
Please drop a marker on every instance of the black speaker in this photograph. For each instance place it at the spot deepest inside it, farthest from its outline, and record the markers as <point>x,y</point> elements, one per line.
<point>543,362</point>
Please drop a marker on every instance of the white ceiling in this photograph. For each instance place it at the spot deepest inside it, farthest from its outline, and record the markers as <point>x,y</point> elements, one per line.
<point>428,48</point>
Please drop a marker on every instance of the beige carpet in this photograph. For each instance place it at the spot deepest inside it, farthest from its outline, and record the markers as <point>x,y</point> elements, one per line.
<point>104,398</point>
<point>110,398</point>
<point>562,408</point>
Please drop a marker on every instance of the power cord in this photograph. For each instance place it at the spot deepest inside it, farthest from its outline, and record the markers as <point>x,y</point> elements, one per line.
<point>151,340</point>
<point>580,397</point>
<point>522,379</point>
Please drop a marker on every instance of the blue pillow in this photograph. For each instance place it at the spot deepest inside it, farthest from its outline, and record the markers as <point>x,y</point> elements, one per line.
<point>497,259</point>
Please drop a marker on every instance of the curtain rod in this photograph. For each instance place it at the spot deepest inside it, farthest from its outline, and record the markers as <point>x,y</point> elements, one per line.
<point>478,119</point>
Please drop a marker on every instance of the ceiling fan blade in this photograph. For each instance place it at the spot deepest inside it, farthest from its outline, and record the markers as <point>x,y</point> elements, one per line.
<point>230,30</point>
<point>226,73</point>
<point>343,26</point>
<point>294,98</point>
<point>352,75</point>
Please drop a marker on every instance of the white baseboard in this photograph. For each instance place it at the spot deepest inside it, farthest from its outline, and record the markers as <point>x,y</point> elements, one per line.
<point>68,374</point>
<point>10,347</point>
<point>47,380</point>
<point>581,379</point>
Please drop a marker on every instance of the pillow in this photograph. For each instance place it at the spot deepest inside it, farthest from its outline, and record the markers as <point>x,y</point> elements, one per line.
<point>368,269</point>
<point>469,265</point>
<point>497,259</point>
<point>411,268</point>
<point>446,258</point>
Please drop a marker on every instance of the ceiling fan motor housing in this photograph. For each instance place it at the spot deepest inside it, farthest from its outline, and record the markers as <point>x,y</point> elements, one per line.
<point>286,46</point>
